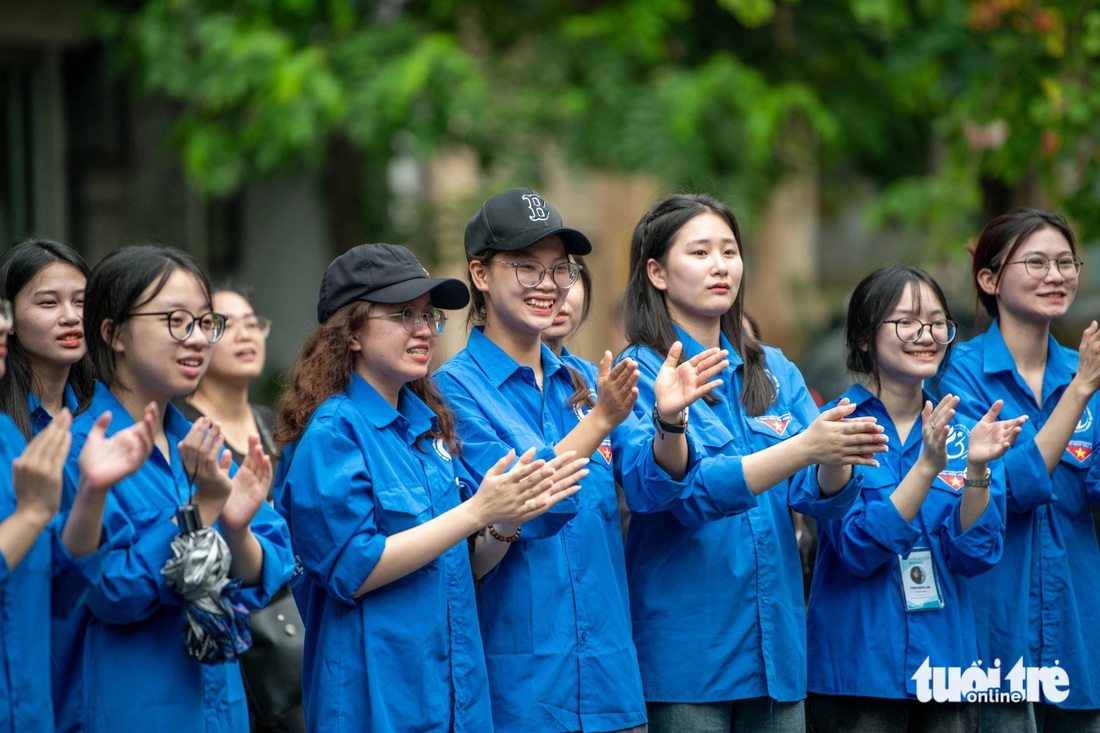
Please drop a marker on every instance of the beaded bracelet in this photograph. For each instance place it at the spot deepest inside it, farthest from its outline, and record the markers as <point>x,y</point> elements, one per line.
<point>501,538</point>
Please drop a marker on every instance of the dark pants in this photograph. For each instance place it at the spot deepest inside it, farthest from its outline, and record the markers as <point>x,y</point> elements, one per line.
<point>850,714</point>
<point>1049,719</point>
<point>754,715</point>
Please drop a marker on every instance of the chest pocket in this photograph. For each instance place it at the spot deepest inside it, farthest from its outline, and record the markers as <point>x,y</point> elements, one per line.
<point>774,425</point>
<point>401,505</point>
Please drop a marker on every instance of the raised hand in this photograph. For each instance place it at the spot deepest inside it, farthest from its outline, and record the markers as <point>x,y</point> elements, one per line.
<point>37,473</point>
<point>991,438</point>
<point>935,427</point>
<point>529,489</point>
<point>835,439</point>
<point>617,390</point>
<point>106,461</point>
<point>678,385</point>
<point>205,461</point>
<point>1088,365</point>
<point>251,485</point>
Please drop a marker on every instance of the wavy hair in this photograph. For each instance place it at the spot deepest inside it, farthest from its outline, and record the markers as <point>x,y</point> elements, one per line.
<point>324,368</point>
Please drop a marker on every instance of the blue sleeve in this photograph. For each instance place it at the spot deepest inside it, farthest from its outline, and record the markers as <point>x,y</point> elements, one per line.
<point>1027,483</point>
<point>873,532</point>
<point>482,447</point>
<point>714,486</point>
<point>979,548</point>
<point>271,532</point>
<point>805,495</point>
<point>328,496</point>
<point>72,577</point>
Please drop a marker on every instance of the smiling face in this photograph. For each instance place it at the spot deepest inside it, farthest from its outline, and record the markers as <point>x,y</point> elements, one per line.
<point>568,318</point>
<point>1022,297</point>
<point>50,312</point>
<point>148,359</point>
<point>702,272</point>
<point>239,356</point>
<point>903,366</point>
<point>387,355</point>
<point>512,308</point>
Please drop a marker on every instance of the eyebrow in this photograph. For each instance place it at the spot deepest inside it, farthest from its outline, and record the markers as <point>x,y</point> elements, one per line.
<point>708,240</point>
<point>55,293</point>
<point>907,311</point>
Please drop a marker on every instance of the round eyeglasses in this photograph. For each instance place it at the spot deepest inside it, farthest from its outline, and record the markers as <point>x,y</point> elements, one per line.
<point>181,324</point>
<point>530,273</point>
<point>1038,266</point>
<point>910,330</point>
<point>413,321</point>
<point>252,325</point>
<point>6,313</point>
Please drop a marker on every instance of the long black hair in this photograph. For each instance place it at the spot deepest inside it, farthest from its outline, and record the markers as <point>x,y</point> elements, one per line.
<point>18,266</point>
<point>114,291</point>
<point>872,301</point>
<point>647,320</point>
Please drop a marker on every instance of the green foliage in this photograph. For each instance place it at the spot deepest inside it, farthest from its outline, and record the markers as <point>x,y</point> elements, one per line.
<point>937,101</point>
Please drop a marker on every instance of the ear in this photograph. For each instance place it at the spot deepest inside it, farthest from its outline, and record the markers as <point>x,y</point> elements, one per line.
<point>479,275</point>
<point>865,346</point>
<point>112,335</point>
<point>354,345</point>
<point>656,273</point>
<point>987,281</point>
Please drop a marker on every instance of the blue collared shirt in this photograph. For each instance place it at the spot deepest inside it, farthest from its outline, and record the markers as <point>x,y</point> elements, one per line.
<point>39,417</point>
<point>554,613</point>
<point>861,640</point>
<point>120,663</point>
<point>714,571</point>
<point>47,580</point>
<point>407,655</point>
<point>1042,601</point>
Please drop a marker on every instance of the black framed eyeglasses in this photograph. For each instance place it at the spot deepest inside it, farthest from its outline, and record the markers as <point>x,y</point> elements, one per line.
<point>530,273</point>
<point>181,324</point>
<point>910,330</point>
<point>1069,266</point>
<point>252,325</point>
<point>413,320</point>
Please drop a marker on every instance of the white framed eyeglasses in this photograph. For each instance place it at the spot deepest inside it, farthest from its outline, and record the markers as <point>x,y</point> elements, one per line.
<point>413,320</point>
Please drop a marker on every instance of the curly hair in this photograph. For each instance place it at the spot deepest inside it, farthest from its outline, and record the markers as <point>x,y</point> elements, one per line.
<point>324,368</point>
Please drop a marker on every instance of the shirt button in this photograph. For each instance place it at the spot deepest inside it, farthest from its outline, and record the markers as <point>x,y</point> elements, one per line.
<point>584,636</point>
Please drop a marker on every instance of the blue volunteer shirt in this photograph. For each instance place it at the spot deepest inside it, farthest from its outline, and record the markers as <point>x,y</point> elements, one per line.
<point>1042,601</point>
<point>405,656</point>
<point>48,579</point>
<point>861,640</point>
<point>120,663</point>
<point>714,571</point>
<point>554,613</point>
<point>39,417</point>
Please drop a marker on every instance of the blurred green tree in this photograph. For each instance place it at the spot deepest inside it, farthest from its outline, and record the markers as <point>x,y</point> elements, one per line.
<point>952,108</point>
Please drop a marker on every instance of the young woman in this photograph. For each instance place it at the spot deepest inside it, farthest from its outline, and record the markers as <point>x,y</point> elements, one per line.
<point>554,614</point>
<point>370,485</point>
<point>236,360</point>
<point>48,560</point>
<point>48,367</point>
<point>890,588</point>
<point>150,329</point>
<point>714,571</point>
<point>1042,600</point>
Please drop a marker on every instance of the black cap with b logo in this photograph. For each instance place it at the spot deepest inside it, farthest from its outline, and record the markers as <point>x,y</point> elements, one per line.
<point>384,273</point>
<point>515,220</point>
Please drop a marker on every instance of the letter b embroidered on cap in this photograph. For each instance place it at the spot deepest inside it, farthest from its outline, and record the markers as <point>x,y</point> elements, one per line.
<point>539,212</point>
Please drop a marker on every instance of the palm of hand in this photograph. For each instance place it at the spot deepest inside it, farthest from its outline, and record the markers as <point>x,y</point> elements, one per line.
<point>106,461</point>
<point>988,439</point>
<point>249,491</point>
<point>676,388</point>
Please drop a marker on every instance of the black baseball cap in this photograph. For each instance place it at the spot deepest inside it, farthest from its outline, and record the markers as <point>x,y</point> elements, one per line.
<point>517,219</point>
<point>384,273</point>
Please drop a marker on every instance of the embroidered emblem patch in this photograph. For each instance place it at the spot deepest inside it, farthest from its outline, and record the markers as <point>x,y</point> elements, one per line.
<point>954,479</point>
<point>957,440</point>
<point>605,450</point>
<point>1079,449</point>
<point>778,423</point>
<point>1085,423</point>
<point>441,449</point>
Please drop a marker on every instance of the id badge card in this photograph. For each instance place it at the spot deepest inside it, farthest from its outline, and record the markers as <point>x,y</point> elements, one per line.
<point>918,581</point>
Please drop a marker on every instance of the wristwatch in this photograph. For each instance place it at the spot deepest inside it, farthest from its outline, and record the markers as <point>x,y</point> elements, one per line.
<point>977,483</point>
<point>676,428</point>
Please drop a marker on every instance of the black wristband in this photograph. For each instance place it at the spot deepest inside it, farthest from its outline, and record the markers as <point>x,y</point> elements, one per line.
<point>666,427</point>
